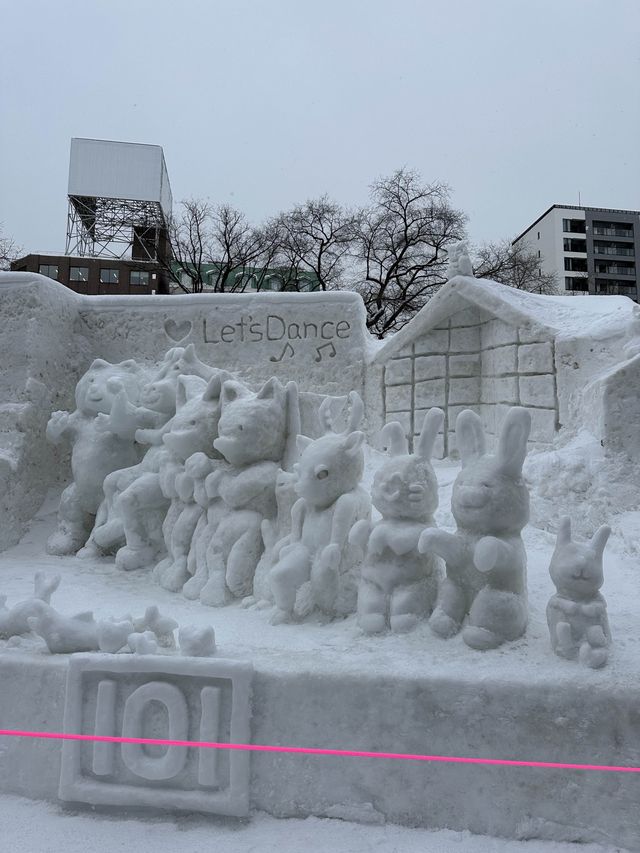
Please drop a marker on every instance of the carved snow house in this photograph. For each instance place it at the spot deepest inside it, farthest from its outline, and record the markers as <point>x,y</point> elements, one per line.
<point>484,346</point>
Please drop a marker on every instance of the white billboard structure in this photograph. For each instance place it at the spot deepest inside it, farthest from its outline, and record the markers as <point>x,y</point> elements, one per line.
<point>119,200</point>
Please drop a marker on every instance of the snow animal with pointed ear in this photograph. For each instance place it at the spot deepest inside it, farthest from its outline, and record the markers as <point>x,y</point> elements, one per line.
<point>146,504</point>
<point>577,613</point>
<point>485,559</point>
<point>398,584</point>
<point>149,421</point>
<point>255,435</point>
<point>316,568</point>
<point>95,452</point>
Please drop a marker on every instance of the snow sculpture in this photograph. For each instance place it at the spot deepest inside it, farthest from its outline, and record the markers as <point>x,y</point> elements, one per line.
<point>275,533</point>
<point>143,643</point>
<point>158,398</point>
<point>197,642</point>
<point>485,559</point>
<point>79,633</point>
<point>172,572</point>
<point>105,389</point>
<point>150,503</point>
<point>255,434</point>
<point>399,585</point>
<point>316,564</point>
<point>459,260</point>
<point>162,627</point>
<point>14,621</point>
<point>577,613</point>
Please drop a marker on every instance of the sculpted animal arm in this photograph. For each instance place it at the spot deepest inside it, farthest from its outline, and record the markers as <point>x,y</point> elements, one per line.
<point>62,425</point>
<point>449,546</point>
<point>360,533</point>
<point>251,483</point>
<point>492,554</point>
<point>344,515</point>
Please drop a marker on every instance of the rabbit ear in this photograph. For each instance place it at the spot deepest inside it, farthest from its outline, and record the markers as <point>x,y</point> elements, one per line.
<point>564,531</point>
<point>302,442</point>
<point>469,437</point>
<point>512,444</point>
<point>431,425</point>
<point>599,539</point>
<point>393,439</point>
<point>353,442</point>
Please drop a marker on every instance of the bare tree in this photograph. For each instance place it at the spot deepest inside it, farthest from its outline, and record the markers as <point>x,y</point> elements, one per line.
<point>400,247</point>
<point>9,250</point>
<point>216,249</point>
<point>516,266</point>
<point>315,239</point>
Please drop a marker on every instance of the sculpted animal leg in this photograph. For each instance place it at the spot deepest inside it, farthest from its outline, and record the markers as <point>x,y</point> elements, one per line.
<point>214,593</point>
<point>495,616</point>
<point>141,504</point>
<point>408,604</point>
<point>74,524</point>
<point>291,571</point>
<point>450,610</point>
<point>196,565</point>
<point>372,608</point>
<point>243,559</point>
<point>175,574</point>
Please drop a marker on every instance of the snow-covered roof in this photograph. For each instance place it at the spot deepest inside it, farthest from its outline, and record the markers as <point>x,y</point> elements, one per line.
<point>596,317</point>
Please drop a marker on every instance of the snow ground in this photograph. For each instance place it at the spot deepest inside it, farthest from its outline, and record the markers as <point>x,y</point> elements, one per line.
<point>38,827</point>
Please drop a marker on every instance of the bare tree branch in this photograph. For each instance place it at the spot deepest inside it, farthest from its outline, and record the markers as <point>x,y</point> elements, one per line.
<point>516,266</point>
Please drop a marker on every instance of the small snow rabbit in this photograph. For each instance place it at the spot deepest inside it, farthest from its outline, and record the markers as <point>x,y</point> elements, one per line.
<point>399,585</point>
<point>577,613</point>
<point>316,566</point>
<point>485,558</point>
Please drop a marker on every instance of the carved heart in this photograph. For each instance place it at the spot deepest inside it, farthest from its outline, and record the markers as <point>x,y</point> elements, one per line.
<point>177,331</point>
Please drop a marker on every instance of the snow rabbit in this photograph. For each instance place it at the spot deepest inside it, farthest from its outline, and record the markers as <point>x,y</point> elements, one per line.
<point>485,558</point>
<point>577,613</point>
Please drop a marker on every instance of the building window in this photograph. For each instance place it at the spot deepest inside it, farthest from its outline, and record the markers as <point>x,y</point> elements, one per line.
<point>616,286</point>
<point>49,270</point>
<point>573,226</point>
<point>109,276</point>
<point>578,283</point>
<point>616,267</point>
<point>575,264</point>
<point>571,244</point>
<point>610,247</point>
<point>78,273</point>
<point>613,229</point>
<point>139,278</point>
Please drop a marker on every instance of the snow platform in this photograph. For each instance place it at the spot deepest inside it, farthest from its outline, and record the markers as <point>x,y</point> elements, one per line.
<point>328,686</point>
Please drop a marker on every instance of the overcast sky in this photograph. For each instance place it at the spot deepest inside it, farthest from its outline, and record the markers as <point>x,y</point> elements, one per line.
<point>516,105</point>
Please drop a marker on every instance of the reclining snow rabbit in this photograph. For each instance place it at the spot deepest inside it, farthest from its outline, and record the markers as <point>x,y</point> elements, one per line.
<point>485,558</point>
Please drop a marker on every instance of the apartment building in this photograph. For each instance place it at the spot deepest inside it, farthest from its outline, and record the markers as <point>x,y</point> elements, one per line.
<point>592,250</point>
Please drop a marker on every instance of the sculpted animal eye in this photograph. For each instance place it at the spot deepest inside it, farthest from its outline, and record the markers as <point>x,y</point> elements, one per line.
<point>193,423</point>
<point>321,473</point>
<point>240,427</point>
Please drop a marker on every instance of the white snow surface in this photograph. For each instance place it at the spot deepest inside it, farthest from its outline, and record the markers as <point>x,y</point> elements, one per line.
<point>38,827</point>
